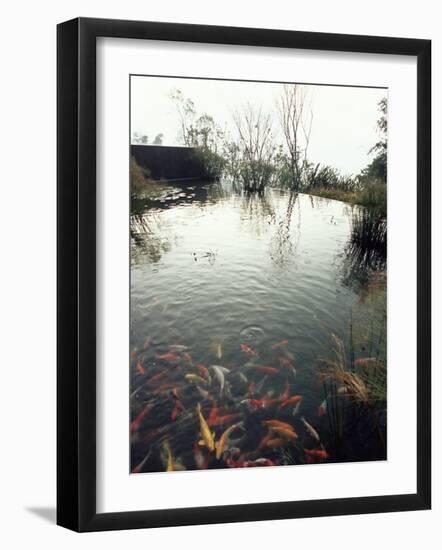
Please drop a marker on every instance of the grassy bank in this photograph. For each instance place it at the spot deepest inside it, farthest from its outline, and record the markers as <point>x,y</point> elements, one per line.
<point>372,195</point>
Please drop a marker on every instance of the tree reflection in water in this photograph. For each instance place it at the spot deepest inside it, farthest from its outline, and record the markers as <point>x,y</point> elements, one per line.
<point>149,237</point>
<point>366,250</point>
<point>285,240</point>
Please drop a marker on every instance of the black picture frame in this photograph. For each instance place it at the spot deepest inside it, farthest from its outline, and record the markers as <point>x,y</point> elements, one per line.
<point>77,286</point>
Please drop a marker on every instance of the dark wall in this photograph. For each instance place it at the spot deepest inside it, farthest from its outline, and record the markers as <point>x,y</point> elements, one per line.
<point>169,163</point>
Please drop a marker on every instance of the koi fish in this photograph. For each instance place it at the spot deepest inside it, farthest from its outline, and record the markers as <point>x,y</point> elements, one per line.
<point>194,378</point>
<point>321,454</point>
<point>216,347</point>
<point>212,416</point>
<point>287,364</point>
<point>219,420</point>
<point>286,393</point>
<point>243,377</point>
<point>177,348</point>
<point>293,400</point>
<point>219,374</point>
<point>155,378</point>
<point>206,434</point>
<point>322,409</point>
<point>204,393</point>
<point>168,357</point>
<point>170,465</point>
<point>275,442</point>
<point>134,393</point>
<point>146,343</point>
<point>280,344</point>
<point>139,419</point>
<point>139,367</point>
<point>277,424</point>
<point>223,439</point>
<point>177,409</point>
<point>261,383</point>
<point>296,409</point>
<point>288,434</point>
<point>262,368</point>
<point>366,362</point>
<point>260,403</point>
<point>249,463</point>
<point>310,430</point>
<point>133,353</point>
<point>247,349</point>
<point>218,350</point>
<point>203,372</point>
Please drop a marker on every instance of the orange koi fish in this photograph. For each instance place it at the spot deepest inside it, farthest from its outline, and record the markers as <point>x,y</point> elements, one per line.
<point>280,344</point>
<point>247,349</point>
<point>203,371</point>
<point>155,378</point>
<point>139,367</point>
<point>277,424</point>
<point>288,434</point>
<point>139,419</point>
<point>168,357</point>
<point>321,454</point>
<point>219,420</point>
<point>366,362</point>
<point>264,368</point>
<point>291,401</point>
<point>177,409</point>
<point>275,442</point>
<point>212,416</point>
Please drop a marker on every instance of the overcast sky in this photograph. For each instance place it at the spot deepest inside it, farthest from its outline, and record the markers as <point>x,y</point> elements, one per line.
<point>344,119</point>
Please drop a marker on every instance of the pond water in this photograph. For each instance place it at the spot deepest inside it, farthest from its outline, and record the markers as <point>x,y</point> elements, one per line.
<point>266,287</point>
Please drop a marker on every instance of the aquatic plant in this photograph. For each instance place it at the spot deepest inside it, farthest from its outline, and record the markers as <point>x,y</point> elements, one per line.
<point>355,387</point>
<point>139,178</point>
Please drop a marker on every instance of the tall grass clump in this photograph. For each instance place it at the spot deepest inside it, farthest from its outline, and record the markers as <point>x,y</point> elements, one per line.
<point>373,194</point>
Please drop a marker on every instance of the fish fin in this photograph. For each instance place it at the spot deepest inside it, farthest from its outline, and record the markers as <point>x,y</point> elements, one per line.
<point>201,443</point>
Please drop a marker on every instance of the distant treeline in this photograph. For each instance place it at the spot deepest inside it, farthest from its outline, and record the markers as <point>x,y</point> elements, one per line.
<point>253,158</point>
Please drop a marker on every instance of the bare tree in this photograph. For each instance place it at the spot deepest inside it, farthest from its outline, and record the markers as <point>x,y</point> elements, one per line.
<point>256,147</point>
<point>296,122</point>
<point>186,111</point>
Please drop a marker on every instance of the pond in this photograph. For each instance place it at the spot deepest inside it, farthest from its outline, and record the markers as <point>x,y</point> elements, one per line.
<point>241,305</point>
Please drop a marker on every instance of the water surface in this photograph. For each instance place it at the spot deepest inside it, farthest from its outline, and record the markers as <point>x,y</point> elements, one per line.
<point>220,273</point>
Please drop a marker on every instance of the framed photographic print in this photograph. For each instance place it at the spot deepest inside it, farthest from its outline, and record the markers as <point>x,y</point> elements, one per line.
<point>243,274</point>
